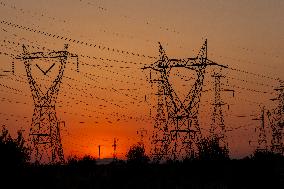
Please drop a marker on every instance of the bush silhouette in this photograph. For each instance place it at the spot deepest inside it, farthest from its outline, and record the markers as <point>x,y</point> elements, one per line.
<point>266,155</point>
<point>136,155</point>
<point>210,149</point>
<point>86,162</point>
<point>14,153</point>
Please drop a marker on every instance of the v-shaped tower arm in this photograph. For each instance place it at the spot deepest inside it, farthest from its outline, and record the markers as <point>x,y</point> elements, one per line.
<point>56,83</point>
<point>169,91</point>
<point>163,65</point>
<point>36,92</point>
<point>192,100</point>
<point>54,88</point>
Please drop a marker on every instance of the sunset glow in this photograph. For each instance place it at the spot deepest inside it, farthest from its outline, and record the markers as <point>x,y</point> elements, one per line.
<point>111,96</point>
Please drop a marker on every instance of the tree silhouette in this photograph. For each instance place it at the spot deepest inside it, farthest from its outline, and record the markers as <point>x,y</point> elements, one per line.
<point>266,155</point>
<point>136,155</point>
<point>210,149</point>
<point>86,162</point>
<point>14,153</point>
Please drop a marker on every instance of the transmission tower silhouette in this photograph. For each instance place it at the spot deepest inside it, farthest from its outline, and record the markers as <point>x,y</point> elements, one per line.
<point>262,140</point>
<point>114,149</point>
<point>44,136</point>
<point>276,121</point>
<point>141,133</point>
<point>218,130</point>
<point>176,129</point>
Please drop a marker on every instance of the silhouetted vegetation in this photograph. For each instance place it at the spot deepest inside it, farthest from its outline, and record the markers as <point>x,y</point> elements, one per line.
<point>210,149</point>
<point>195,173</point>
<point>85,162</point>
<point>14,153</point>
<point>136,155</point>
<point>266,155</point>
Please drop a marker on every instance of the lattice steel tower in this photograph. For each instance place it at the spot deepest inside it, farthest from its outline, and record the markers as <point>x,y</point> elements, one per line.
<point>176,129</point>
<point>45,129</point>
<point>276,120</point>
<point>218,129</point>
<point>262,140</point>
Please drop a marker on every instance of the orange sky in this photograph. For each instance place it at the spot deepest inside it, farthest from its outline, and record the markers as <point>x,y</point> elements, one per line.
<point>106,99</point>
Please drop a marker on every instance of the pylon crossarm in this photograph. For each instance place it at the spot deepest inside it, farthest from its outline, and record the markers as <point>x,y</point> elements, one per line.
<point>150,67</point>
<point>159,154</point>
<point>42,55</point>
<point>160,140</point>
<point>212,63</point>
<point>40,134</point>
<point>173,63</point>
<point>176,63</point>
<point>183,131</point>
<point>158,66</point>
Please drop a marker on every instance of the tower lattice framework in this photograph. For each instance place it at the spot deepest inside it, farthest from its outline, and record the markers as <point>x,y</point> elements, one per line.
<point>262,140</point>
<point>217,129</point>
<point>276,120</point>
<point>45,139</point>
<point>176,129</point>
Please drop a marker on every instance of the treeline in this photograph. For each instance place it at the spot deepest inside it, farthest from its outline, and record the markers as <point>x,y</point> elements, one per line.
<point>211,169</point>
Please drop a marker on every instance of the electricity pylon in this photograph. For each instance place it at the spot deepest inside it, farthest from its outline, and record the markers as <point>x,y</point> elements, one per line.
<point>262,140</point>
<point>44,133</point>
<point>218,130</point>
<point>276,120</point>
<point>176,129</point>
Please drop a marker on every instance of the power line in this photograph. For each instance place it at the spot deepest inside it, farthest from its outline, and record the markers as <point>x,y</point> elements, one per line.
<point>101,47</point>
<point>80,101</point>
<point>80,55</point>
<point>246,61</point>
<point>29,12</point>
<point>252,73</point>
<point>143,64</point>
<point>248,89</point>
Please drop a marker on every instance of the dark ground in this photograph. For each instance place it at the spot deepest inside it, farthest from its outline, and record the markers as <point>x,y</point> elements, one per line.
<point>211,169</point>
<point>235,174</point>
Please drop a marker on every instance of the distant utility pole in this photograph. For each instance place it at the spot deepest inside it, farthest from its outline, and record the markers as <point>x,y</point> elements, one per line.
<point>218,129</point>
<point>262,141</point>
<point>276,120</point>
<point>45,129</point>
<point>99,151</point>
<point>114,148</point>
